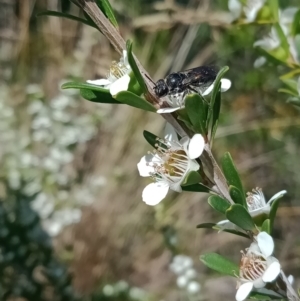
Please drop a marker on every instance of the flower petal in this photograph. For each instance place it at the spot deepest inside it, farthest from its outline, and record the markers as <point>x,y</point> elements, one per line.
<point>235,8</point>
<point>120,85</point>
<point>99,82</point>
<point>208,90</point>
<point>225,84</point>
<point>170,133</point>
<point>168,110</point>
<point>272,272</point>
<point>154,193</point>
<point>196,146</point>
<point>143,166</point>
<point>243,291</point>
<point>265,243</point>
<point>277,196</point>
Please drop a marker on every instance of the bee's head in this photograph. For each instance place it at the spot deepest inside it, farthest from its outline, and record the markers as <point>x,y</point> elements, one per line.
<point>161,89</point>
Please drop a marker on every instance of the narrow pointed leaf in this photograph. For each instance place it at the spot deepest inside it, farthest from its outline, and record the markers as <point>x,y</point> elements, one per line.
<point>237,196</point>
<point>134,100</point>
<point>106,8</point>
<point>85,85</point>
<point>206,226</point>
<point>273,212</point>
<point>232,175</point>
<point>238,215</point>
<point>151,138</point>
<point>283,39</point>
<point>220,264</point>
<point>266,226</point>
<point>218,203</point>
<point>135,68</point>
<point>191,178</point>
<point>296,24</point>
<point>294,101</point>
<point>235,232</point>
<point>274,6</point>
<point>197,108</point>
<point>196,188</point>
<point>98,97</point>
<point>270,57</point>
<point>215,91</point>
<point>215,116</point>
<point>67,16</point>
<point>265,294</point>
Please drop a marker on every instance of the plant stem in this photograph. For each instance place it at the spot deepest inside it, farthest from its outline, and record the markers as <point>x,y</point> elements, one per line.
<point>291,294</point>
<point>113,35</point>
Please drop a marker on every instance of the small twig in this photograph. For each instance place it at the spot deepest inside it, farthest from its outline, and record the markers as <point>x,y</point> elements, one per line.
<point>291,294</point>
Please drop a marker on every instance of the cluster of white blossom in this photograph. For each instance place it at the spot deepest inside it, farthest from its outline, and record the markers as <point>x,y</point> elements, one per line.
<point>249,10</point>
<point>37,150</point>
<point>122,288</point>
<point>183,267</point>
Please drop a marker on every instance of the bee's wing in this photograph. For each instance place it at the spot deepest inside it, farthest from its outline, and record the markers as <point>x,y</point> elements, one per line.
<point>200,76</point>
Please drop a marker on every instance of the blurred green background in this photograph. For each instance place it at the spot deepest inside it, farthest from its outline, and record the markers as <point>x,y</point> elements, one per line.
<point>72,222</point>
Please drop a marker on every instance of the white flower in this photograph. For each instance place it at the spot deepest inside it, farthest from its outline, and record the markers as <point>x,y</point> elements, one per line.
<point>270,42</point>
<point>257,266</point>
<point>193,287</point>
<point>169,164</point>
<point>250,9</point>
<point>257,205</point>
<point>118,76</point>
<point>177,101</point>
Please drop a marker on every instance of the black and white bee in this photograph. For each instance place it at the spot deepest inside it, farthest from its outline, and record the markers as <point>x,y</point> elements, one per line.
<point>184,82</point>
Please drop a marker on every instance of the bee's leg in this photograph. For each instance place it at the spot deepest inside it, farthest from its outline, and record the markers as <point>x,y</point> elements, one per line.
<point>192,89</point>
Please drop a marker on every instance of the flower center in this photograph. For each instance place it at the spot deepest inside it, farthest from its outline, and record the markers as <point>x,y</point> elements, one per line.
<point>176,100</point>
<point>255,200</point>
<point>252,267</point>
<point>117,70</point>
<point>171,161</point>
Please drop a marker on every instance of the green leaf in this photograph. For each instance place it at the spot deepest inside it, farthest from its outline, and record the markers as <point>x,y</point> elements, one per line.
<point>283,39</point>
<point>220,264</point>
<point>237,196</point>
<point>287,91</point>
<point>191,178</point>
<point>238,215</point>
<point>214,93</point>
<point>218,203</point>
<point>196,188</point>
<point>206,226</point>
<point>214,226</point>
<point>215,116</point>
<point>106,8</point>
<point>135,101</point>
<point>98,97</point>
<point>273,212</point>
<point>67,16</point>
<point>232,175</point>
<point>85,85</point>
<point>266,226</point>
<point>268,295</point>
<point>135,68</point>
<point>296,24</point>
<point>197,108</point>
<point>294,101</point>
<point>273,5</point>
<point>151,138</point>
<point>270,56</point>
